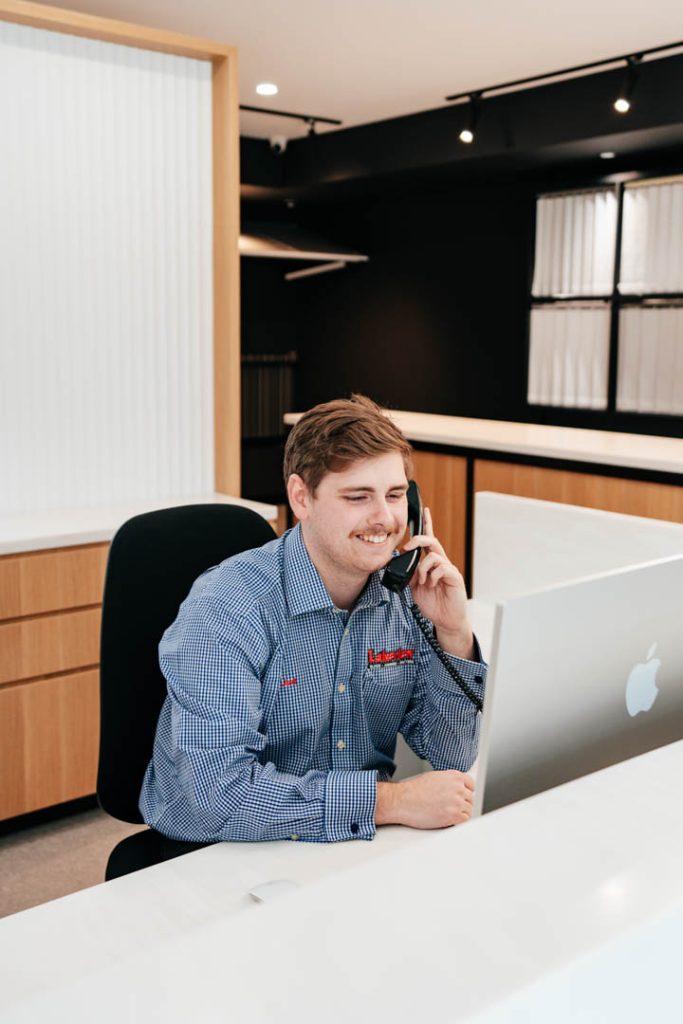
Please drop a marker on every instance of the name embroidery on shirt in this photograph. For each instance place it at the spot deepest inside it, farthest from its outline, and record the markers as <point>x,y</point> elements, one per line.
<point>289,682</point>
<point>386,657</point>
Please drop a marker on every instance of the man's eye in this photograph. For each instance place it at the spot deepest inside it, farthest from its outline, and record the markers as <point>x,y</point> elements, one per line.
<point>359,497</point>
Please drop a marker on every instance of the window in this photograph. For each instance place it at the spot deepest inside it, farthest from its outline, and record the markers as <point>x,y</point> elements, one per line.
<point>595,301</point>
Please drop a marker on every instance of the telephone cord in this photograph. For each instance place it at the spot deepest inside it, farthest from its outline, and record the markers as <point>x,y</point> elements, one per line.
<point>427,630</point>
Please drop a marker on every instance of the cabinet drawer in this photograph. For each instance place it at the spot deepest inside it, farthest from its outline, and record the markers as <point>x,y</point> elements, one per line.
<point>614,494</point>
<point>46,581</point>
<point>49,738</point>
<point>49,644</point>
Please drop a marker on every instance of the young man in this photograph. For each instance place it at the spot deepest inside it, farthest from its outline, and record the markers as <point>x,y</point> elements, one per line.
<point>281,716</point>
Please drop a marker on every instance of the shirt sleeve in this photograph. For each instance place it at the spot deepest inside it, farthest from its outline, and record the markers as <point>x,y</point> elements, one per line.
<point>223,791</point>
<point>441,724</point>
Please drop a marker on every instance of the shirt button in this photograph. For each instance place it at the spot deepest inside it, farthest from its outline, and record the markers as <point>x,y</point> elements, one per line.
<point>346,631</point>
<point>340,744</point>
<point>294,836</point>
<point>342,687</point>
<point>355,829</point>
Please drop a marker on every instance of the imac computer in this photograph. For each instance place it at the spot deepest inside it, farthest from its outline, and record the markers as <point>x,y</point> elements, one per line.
<point>582,675</point>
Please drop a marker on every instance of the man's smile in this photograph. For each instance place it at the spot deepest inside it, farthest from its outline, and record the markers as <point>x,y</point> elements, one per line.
<point>373,538</point>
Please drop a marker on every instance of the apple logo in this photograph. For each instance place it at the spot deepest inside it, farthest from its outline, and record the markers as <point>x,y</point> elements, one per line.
<point>641,689</point>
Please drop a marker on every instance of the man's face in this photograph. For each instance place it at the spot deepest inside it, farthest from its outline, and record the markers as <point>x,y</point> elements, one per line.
<point>357,517</point>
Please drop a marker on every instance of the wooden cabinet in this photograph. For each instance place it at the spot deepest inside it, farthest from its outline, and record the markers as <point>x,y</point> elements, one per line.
<point>591,490</point>
<point>49,677</point>
<point>443,484</point>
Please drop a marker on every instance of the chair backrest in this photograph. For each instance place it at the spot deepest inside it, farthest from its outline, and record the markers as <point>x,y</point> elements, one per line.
<point>153,561</point>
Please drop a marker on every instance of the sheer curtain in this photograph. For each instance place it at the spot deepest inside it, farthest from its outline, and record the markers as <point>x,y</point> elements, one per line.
<point>652,238</point>
<point>569,356</point>
<point>575,241</point>
<point>650,368</point>
<point>106,294</point>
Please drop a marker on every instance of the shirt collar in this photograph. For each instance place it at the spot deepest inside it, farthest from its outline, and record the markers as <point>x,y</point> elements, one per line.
<point>304,589</point>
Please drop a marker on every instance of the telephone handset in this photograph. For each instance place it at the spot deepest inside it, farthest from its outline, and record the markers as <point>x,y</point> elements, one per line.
<point>398,573</point>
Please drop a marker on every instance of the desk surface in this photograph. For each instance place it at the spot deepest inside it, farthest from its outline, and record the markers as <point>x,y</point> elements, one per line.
<point>600,447</point>
<point>38,530</point>
<point>433,925</point>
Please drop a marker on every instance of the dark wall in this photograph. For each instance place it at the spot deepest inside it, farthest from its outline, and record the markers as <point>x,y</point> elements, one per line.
<point>435,322</point>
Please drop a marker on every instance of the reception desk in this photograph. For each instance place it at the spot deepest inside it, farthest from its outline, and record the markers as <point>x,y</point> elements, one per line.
<point>526,909</point>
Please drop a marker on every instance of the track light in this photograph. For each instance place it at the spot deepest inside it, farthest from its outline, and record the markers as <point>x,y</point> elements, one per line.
<point>622,103</point>
<point>467,133</point>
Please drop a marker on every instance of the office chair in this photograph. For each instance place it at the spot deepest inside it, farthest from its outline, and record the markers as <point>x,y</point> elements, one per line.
<point>153,561</point>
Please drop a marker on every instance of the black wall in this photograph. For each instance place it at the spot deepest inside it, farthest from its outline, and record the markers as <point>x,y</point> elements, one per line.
<point>435,322</point>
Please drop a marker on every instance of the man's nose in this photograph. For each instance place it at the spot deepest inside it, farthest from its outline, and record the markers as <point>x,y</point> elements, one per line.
<point>383,512</point>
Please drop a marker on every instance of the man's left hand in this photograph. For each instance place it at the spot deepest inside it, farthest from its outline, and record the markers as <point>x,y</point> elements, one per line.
<point>438,590</point>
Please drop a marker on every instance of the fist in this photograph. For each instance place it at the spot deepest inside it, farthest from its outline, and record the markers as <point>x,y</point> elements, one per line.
<point>431,800</point>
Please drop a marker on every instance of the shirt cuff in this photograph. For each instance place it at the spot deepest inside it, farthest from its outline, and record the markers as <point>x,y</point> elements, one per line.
<point>473,672</point>
<point>350,799</point>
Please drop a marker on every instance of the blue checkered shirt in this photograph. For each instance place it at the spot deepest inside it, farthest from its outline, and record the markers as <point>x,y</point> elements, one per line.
<point>282,710</point>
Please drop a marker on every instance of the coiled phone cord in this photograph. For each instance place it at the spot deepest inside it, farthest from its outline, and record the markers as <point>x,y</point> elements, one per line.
<point>427,630</point>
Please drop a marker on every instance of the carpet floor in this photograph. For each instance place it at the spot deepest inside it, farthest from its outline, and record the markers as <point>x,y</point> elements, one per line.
<point>46,861</point>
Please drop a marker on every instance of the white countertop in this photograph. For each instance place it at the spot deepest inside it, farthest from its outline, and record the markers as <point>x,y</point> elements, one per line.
<point>39,530</point>
<point>603,447</point>
<point>439,925</point>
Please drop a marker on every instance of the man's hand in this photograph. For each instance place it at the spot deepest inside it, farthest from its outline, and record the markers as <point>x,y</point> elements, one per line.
<point>431,800</point>
<point>439,592</point>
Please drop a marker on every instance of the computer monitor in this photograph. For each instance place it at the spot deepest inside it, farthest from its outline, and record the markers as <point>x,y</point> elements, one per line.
<point>582,675</point>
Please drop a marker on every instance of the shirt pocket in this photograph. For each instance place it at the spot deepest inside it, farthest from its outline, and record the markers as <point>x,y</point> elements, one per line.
<point>386,693</point>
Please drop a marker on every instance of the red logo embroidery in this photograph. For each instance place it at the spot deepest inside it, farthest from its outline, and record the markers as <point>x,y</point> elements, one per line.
<point>289,682</point>
<point>385,657</point>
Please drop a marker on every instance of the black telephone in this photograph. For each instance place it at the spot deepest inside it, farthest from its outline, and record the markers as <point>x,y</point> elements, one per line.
<point>399,571</point>
<point>396,577</point>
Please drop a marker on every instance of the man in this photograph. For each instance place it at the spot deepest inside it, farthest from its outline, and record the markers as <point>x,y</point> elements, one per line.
<point>282,714</point>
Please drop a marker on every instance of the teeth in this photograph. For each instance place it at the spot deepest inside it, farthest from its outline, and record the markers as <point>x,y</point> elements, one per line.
<point>375,538</point>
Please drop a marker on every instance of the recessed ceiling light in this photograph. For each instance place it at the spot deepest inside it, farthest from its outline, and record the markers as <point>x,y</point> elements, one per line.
<point>266,89</point>
<point>622,105</point>
<point>607,155</point>
<point>466,136</point>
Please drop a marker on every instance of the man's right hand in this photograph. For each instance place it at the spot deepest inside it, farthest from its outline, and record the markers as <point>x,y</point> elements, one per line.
<point>431,800</point>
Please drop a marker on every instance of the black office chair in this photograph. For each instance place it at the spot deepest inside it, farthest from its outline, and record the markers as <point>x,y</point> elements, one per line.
<point>153,560</point>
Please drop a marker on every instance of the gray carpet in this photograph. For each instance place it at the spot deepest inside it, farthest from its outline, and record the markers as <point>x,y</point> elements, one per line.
<point>41,863</point>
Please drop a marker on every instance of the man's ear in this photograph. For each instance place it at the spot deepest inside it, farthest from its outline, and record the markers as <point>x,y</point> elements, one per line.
<point>299,496</point>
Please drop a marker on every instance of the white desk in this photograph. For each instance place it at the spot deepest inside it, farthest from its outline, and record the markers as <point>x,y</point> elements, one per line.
<point>414,926</point>
<point>600,447</point>
<point>67,527</point>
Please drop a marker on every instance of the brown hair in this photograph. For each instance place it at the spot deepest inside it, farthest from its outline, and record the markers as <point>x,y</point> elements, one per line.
<point>331,436</point>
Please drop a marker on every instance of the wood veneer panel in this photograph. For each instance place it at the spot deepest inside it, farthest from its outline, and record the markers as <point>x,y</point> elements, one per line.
<point>58,19</point>
<point>49,739</point>
<point>45,581</point>
<point>226,276</point>
<point>614,494</point>
<point>50,644</point>
<point>443,484</point>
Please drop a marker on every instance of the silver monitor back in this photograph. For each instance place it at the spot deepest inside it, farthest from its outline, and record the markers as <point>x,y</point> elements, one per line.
<point>576,682</point>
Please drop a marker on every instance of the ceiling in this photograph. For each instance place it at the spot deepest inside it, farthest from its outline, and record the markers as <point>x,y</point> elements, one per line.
<point>368,60</point>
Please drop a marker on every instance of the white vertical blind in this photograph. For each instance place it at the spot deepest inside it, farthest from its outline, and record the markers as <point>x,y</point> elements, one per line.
<point>650,367</point>
<point>569,356</point>
<point>105,272</point>
<point>652,239</point>
<point>575,243</point>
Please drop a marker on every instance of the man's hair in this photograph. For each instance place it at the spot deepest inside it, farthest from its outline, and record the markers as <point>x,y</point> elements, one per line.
<point>330,437</point>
